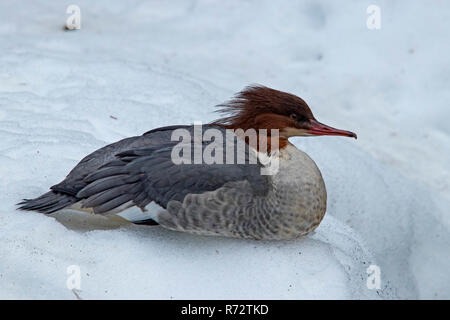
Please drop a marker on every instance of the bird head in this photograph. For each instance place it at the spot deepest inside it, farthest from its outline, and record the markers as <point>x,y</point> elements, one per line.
<point>259,107</point>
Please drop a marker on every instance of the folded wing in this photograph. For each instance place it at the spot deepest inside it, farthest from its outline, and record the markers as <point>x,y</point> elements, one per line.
<point>141,175</point>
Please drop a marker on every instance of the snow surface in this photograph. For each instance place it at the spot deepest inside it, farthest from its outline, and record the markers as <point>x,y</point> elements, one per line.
<point>137,65</point>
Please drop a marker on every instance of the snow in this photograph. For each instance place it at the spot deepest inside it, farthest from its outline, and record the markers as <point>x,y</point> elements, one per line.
<point>138,65</point>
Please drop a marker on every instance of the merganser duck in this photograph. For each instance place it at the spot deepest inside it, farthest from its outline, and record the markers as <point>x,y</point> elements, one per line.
<point>222,199</point>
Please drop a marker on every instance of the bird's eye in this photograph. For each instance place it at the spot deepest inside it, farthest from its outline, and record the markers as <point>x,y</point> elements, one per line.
<point>293,116</point>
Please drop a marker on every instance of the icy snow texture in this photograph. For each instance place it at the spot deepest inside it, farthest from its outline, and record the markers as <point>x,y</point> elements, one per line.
<point>137,65</point>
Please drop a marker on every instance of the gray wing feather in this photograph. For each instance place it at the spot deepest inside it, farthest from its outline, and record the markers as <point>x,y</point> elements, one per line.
<point>75,180</point>
<point>147,174</point>
<point>64,194</point>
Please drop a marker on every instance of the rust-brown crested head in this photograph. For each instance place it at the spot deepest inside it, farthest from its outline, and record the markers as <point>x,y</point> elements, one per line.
<point>258,107</point>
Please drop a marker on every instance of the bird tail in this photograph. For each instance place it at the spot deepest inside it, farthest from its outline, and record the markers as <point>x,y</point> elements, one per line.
<point>48,203</point>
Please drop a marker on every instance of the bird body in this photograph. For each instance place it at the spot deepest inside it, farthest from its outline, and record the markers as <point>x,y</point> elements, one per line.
<point>293,206</point>
<point>215,198</point>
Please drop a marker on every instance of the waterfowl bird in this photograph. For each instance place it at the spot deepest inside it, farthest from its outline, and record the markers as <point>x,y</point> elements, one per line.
<point>224,198</point>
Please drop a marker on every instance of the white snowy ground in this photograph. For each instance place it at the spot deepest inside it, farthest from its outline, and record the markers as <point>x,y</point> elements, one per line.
<point>149,64</point>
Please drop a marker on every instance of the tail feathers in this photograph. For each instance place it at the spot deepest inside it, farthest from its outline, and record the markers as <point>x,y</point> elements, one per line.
<point>48,203</point>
